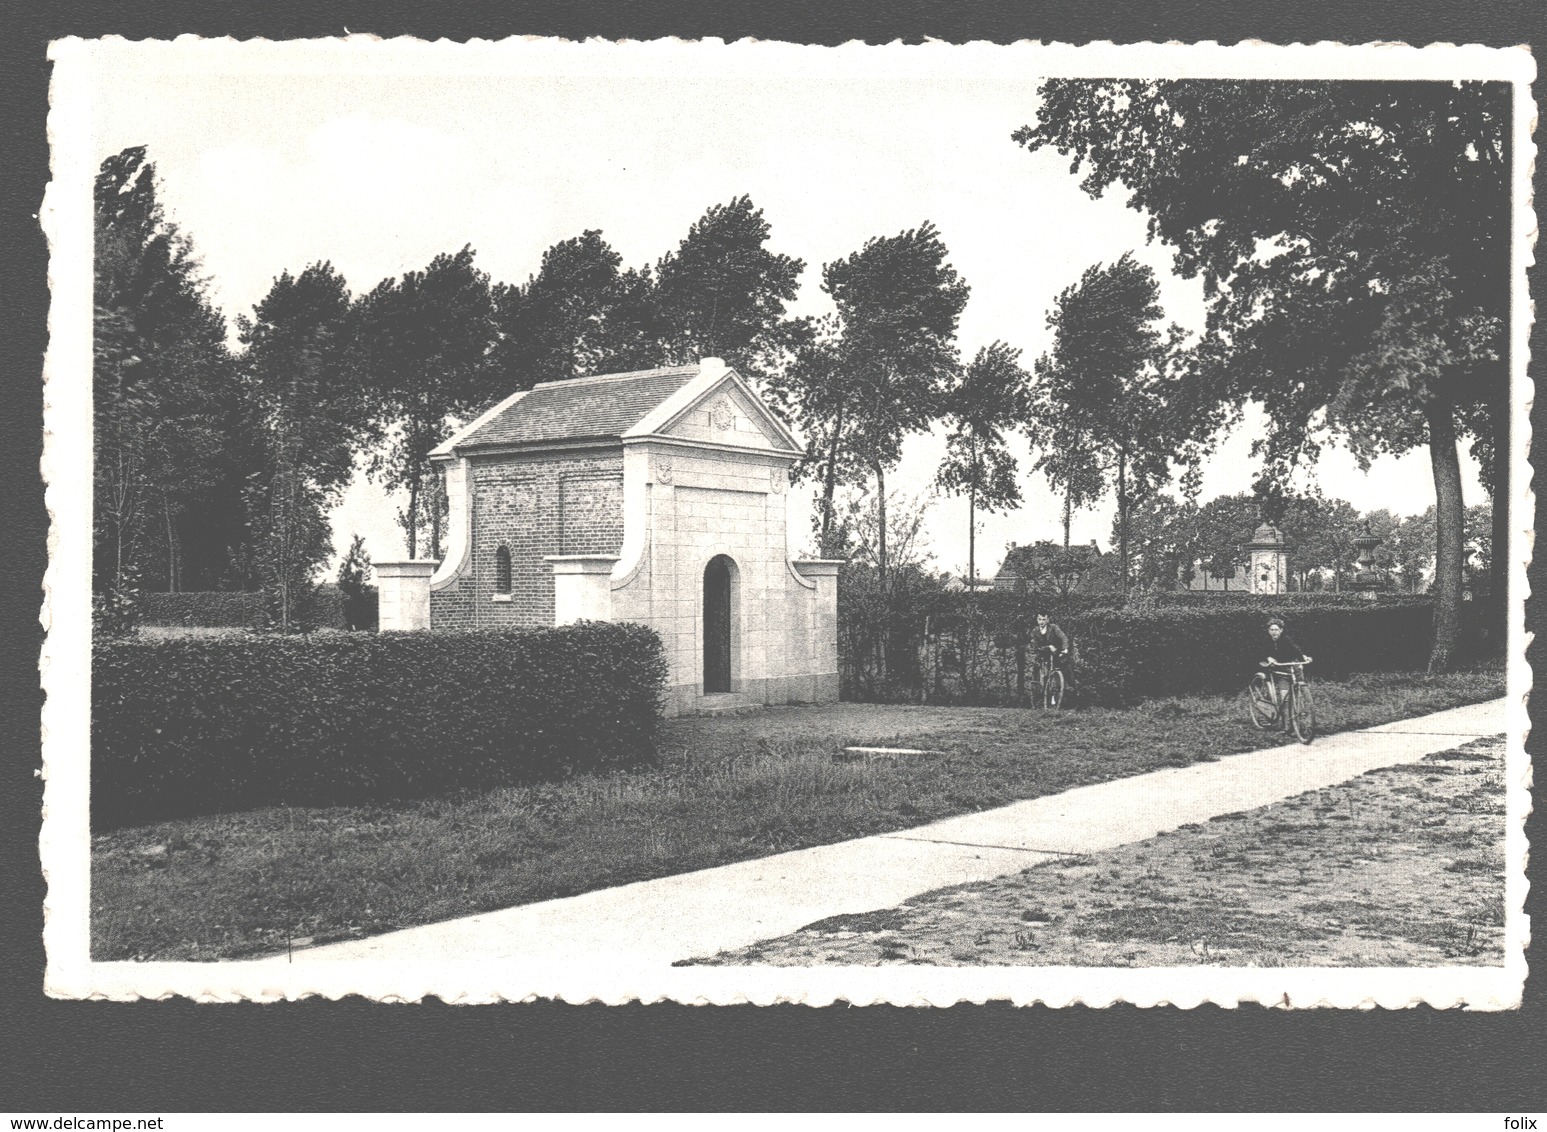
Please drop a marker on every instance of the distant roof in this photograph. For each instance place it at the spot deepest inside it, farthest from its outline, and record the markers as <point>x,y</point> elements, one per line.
<point>1267,535</point>
<point>583,408</point>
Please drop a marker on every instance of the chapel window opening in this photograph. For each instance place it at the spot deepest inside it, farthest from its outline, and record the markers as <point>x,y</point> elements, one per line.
<point>502,570</point>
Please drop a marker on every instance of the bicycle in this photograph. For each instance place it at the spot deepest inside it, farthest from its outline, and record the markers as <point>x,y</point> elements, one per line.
<point>1047,677</point>
<point>1296,710</point>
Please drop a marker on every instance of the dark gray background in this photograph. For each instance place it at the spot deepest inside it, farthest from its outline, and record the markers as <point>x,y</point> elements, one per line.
<point>358,1055</point>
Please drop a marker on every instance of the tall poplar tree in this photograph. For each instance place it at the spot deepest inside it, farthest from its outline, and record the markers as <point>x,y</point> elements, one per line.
<point>988,398</point>
<point>1102,387</point>
<point>426,340</point>
<point>877,371</point>
<point>311,414</point>
<point>164,386</point>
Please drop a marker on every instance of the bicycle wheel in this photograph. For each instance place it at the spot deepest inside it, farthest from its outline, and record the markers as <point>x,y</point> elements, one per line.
<point>1259,703</point>
<point>1303,713</point>
<point>1053,690</point>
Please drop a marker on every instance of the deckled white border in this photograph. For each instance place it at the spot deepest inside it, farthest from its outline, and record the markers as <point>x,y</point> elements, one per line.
<point>67,470</point>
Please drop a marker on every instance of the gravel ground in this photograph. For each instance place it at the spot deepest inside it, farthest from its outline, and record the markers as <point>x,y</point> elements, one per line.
<point>1400,867</point>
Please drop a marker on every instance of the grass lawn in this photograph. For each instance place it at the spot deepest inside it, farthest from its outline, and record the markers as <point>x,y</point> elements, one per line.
<point>727,789</point>
<point>1402,867</point>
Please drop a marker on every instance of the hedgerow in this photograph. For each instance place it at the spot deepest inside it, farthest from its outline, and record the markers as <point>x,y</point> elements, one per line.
<point>972,648</point>
<point>191,725</point>
<point>1131,654</point>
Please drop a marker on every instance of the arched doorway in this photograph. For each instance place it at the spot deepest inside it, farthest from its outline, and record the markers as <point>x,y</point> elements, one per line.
<point>717,624</point>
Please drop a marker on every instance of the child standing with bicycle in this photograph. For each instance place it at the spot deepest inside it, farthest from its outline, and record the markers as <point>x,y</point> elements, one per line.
<point>1048,639</point>
<point>1278,649</point>
<point>1050,647</point>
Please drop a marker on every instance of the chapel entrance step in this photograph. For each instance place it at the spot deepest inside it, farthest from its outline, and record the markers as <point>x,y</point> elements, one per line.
<point>724,703</point>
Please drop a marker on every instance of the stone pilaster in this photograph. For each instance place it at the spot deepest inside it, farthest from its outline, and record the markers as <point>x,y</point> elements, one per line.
<point>404,590</point>
<point>824,637</point>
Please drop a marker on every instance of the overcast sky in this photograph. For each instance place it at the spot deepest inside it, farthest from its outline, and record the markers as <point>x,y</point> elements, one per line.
<point>381,172</point>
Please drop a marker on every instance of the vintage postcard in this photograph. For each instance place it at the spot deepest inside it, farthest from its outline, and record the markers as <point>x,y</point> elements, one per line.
<point>752,522</point>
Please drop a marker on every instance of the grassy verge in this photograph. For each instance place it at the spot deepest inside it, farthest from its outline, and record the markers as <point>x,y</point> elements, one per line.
<point>1402,867</point>
<point>727,789</point>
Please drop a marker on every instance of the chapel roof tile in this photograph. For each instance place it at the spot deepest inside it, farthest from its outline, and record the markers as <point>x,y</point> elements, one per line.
<point>583,408</point>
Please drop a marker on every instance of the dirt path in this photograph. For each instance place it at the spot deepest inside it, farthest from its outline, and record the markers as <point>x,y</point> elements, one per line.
<point>1400,867</point>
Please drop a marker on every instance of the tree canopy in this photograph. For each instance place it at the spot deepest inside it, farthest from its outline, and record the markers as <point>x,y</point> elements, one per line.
<point>578,315</point>
<point>165,397</point>
<point>426,340</point>
<point>1352,239</point>
<point>722,292</point>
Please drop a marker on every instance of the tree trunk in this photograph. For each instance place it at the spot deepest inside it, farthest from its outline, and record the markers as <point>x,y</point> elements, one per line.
<point>435,498</point>
<point>1122,517</point>
<point>1068,515</point>
<point>172,580</point>
<point>413,517</point>
<point>1497,611</point>
<point>881,505</point>
<point>972,534</point>
<point>829,482</point>
<point>1449,534</point>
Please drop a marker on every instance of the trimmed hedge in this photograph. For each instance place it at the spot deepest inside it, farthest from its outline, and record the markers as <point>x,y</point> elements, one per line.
<point>971,648</point>
<point>1131,654</point>
<point>1341,598</point>
<point>196,725</point>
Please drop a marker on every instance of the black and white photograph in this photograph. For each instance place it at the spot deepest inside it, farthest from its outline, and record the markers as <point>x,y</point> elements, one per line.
<point>702,522</point>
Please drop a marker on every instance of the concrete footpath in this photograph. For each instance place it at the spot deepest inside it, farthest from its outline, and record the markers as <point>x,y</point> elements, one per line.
<point>701,913</point>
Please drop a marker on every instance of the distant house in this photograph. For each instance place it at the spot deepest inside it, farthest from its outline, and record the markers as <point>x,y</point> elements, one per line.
<point>1050,567</point>
<point>960,584</point>
<point>1239,582</point>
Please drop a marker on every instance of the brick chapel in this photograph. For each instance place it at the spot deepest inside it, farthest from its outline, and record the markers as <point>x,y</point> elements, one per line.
<point>657,496</point>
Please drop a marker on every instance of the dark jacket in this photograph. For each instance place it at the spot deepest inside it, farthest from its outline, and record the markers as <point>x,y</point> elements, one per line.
<point>1282,650</point>
<point>1053,636</point>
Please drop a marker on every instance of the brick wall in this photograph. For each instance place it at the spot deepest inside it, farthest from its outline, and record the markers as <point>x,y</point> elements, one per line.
<point>533,506</point>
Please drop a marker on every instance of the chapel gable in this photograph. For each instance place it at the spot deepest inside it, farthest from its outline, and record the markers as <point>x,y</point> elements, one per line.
<point>726,415</point>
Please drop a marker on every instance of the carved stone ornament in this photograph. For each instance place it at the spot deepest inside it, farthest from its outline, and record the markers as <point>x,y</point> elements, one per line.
<point>662,467</point>
<point>778,480</point>
<point>721,415</point>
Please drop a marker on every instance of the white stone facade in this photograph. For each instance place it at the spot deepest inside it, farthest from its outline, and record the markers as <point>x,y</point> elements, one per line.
<point>704,480</point>
<point>783,613</point>
<point>1269,566</point>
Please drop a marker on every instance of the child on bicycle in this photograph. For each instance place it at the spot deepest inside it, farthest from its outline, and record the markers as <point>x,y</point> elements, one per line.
<point>1276,649</point>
